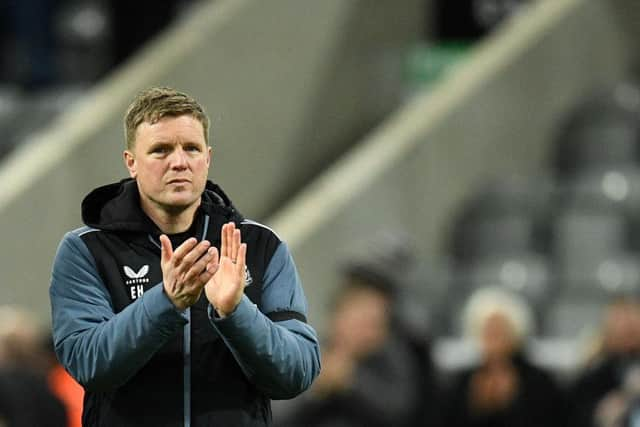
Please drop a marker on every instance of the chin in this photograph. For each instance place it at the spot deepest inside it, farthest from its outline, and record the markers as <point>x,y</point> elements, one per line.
<point>181,202</point>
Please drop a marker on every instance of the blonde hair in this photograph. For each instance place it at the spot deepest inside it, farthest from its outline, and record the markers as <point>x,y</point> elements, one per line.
<point>488,301</point>
<point>155,103</point>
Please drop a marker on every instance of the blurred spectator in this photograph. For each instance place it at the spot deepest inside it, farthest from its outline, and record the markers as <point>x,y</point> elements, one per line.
<point>26,42</point>
<point>26,398</point>
<point>504,388</point>
<point>136,22</point>
<point>601,395</point>
<point>21,342</point>
<point>49,42</point>
<point>472,19</point>
<point>64,387</point>
<point>620,407</point>
<point>370,372</point>
<point>26,401</point>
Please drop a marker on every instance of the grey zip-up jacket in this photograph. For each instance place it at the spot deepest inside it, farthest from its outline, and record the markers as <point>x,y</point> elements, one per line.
<point>143,362</point>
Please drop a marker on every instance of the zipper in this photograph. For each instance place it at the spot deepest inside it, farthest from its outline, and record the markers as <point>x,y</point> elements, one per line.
<point>186,345</point>
<point>186,374</point>
<point>187,350</point>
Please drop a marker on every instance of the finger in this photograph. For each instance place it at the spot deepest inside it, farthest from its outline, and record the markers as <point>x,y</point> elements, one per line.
<point>211,267</point>
<point>230,229</point>
<point>235,244</point>
<point>166,248</point>
<point>197,267</point>
<point>184,249</point>
<point>193,256</point>
<point>204,277</point>
<point>223,241</point>
<point>241,259</point>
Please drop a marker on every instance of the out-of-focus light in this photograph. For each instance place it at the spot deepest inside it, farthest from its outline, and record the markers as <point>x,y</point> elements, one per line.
<point>615,186</point>
<point>514,274</point>
<point>611,276</point>
<point>88,23</point>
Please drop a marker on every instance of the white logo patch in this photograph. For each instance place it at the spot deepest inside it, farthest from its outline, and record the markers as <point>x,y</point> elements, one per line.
<point>136,279</point>
<point>133,275</point>
<point>247,277</point>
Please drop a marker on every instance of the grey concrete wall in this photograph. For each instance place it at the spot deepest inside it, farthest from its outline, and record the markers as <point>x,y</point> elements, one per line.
<point>288,84</point>
<point>496,114</point>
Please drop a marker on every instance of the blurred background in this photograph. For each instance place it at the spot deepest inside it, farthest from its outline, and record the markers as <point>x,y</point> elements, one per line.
<point>459,183</point>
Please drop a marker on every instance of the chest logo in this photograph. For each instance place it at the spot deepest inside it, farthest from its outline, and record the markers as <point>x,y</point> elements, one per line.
<point>136,277</point>
<point>136,280</point>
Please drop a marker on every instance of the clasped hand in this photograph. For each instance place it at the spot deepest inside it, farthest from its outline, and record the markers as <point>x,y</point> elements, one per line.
<point>195,266</point>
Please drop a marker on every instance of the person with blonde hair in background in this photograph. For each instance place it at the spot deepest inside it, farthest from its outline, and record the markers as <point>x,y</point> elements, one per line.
<point>504,389</point>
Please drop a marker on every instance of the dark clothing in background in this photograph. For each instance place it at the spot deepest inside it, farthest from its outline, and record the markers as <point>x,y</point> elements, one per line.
<point>27,42</point>
<point>384,393</point>
<point>136,22</point>
<point>26,401</point>
<point>538,401</point>
<point>595,383</point>
<point>469,20</point>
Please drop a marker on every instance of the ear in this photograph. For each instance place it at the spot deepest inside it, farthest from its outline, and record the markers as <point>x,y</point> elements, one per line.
<point>130,162</point>
<point>209,155</point>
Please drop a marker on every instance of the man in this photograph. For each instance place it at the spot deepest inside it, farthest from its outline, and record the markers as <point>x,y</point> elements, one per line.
<point>369,375</point>
<point>169,307</point>
<point>604,389</point>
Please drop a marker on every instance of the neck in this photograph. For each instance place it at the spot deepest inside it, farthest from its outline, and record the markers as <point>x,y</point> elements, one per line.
<point>170,219</point>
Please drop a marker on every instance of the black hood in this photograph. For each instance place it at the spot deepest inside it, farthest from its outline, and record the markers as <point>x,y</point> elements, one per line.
<point>116,207</point>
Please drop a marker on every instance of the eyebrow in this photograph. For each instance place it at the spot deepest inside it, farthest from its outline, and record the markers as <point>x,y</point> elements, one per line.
<point>160,144</point>
<point>167,144</point>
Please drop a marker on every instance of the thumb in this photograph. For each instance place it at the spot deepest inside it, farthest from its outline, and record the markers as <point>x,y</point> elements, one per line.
<point>167,249</point>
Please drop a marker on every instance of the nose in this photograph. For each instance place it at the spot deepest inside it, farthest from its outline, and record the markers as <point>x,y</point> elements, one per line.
<point>178,159</point>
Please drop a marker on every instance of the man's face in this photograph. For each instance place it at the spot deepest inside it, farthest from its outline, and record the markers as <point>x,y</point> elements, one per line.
<point>170,162</point>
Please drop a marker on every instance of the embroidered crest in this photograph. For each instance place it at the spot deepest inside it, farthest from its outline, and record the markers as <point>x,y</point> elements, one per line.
<point>247,277</point>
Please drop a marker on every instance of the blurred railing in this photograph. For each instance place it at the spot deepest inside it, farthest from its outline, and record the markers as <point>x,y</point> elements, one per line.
<point>495,114</point>
<point>289,86</point>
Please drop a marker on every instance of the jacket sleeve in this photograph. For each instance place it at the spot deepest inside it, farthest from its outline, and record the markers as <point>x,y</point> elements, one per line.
<point>101,349</point>
<point>280,356</point>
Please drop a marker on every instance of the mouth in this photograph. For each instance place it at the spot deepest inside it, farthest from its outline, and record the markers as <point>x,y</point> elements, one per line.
<point>178,181</point>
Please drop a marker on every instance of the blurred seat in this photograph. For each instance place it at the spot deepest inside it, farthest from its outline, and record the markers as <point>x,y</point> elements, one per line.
<point>528,274</point>
<point>514,193</point>
<point>585,237</point>
<point>507,216</point>
<point>614,189</point>
<point>430,290</point>
<point>602,132</point>
<point>11,107</point>
<point>614,143</point>
<point>499,235</point>
<point>612,275</point>
<point>601,189</point>
<point>41,108</point>
<point>572,317</point>
<point>83,34</point>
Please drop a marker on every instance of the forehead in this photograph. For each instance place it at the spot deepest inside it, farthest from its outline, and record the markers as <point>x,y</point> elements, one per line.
<point>171,129</point>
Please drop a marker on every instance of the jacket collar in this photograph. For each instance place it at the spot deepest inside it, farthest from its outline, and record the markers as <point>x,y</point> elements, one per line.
<point>116,207</point>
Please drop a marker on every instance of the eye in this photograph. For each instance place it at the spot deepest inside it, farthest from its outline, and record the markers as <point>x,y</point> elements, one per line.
<point>193,148</point>
<point>159,149</point>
